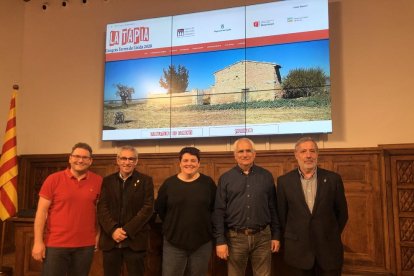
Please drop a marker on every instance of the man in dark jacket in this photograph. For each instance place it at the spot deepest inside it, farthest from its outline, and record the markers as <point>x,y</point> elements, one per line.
<point>313,212</point>
<point>124,209</point>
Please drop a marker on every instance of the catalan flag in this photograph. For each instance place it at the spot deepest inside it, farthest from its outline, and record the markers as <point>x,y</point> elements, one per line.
<point>8,165</point>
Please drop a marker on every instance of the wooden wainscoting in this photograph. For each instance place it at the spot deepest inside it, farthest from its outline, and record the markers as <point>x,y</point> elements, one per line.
<point>368,250</point>
<point>399,164</point>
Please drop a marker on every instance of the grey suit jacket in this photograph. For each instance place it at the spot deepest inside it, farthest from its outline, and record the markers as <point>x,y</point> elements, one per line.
<point>316,236</point>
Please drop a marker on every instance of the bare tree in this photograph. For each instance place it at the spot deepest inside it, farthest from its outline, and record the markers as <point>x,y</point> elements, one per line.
<point>125,93</point>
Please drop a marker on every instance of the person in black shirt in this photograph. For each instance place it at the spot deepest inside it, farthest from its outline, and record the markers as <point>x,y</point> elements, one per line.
<point>246,223</point>
<point>185,203</point>
<point>124,209</point>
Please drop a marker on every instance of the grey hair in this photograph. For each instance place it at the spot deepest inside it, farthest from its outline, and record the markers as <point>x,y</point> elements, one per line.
<point>128,147</point>
<point>306,139</point>
<point>245,139</point>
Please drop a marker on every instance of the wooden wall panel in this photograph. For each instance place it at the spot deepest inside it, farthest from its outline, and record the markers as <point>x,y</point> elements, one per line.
<point>25,264</point>
<point>359,222</point>
<point>276,168</point>
<point>366,236</point>
<point>159,173</point>
<point>402,181</point>
<point>220,168</point>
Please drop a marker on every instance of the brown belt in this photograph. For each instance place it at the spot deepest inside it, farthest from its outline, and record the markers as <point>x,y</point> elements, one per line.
<point>248,231</point>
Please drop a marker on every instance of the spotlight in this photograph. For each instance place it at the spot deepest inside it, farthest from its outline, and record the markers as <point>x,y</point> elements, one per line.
<point>45,5</point>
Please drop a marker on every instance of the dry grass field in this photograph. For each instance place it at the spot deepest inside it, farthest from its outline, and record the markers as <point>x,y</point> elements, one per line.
<point>143,116</point>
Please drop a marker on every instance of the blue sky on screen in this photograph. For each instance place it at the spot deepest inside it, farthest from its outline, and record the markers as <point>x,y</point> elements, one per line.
<point>144,74</point>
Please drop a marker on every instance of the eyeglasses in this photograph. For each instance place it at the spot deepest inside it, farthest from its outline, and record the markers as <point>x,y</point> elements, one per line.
<point>84,158</point>
<point>125,159</point>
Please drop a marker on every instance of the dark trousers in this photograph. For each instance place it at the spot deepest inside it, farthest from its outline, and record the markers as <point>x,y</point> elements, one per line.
<point>68,261</point>
<point>114,259</point>
<point>316,270</point>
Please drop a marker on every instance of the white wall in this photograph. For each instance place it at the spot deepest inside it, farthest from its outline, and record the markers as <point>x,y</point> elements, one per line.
<point>57,58</point>
<point>11,47</point>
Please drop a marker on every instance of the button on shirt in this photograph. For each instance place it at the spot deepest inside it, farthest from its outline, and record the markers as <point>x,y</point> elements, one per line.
<point>245,200</point>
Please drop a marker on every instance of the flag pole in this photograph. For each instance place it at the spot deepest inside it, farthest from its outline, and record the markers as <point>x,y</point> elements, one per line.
<point>3,230</point>
<point>5,270</point>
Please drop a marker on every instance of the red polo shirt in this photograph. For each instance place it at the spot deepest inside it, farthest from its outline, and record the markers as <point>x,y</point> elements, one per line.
<point>71,220</point>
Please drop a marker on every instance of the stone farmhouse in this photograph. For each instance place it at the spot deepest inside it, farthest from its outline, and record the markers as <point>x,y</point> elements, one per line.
<point>253,80</point>
<point>263,83</point>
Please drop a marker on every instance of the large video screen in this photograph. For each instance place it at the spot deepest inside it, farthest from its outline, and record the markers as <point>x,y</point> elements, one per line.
<point>253,70</point>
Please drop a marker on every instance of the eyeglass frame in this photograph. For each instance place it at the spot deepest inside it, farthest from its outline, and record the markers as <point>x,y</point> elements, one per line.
<point>127,159</point>
<point>82,157</point>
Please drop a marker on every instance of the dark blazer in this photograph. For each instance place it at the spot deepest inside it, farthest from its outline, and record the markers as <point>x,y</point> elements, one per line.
<point>312,236</point>
<point>129,208</point>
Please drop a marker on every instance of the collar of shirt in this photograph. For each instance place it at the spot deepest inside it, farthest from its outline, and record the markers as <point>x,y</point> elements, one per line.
<point>70,175</point>
<point>125,178</point>
<point>251,170</point>
<point>302,176</point>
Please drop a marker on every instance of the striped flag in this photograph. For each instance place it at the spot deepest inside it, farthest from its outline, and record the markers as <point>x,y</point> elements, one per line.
<point>8,165</point>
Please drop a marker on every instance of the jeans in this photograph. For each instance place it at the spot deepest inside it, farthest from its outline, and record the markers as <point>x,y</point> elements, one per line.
<point>114,259</point>
<point>176,261</point>
<point>257,247</point>
<point>69,261</point>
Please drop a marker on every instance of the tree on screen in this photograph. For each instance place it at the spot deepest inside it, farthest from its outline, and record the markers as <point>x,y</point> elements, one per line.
<point>125,93</point>
<point>175,80</point>
<point>304,83</point>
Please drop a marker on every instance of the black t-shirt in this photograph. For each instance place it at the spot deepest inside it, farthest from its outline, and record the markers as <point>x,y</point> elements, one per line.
<point>185,209</point>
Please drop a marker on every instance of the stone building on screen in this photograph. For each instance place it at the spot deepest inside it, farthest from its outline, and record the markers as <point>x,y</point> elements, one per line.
<point>250,80</point>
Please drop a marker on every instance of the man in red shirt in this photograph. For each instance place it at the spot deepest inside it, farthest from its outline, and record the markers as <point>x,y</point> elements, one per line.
<point>65,228</point>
